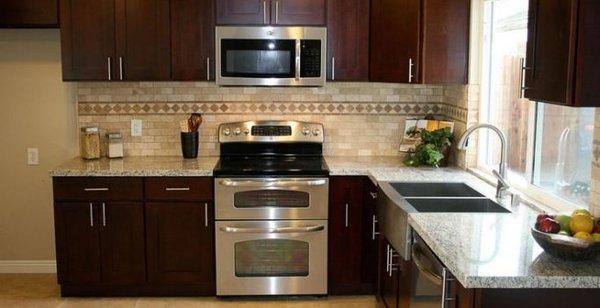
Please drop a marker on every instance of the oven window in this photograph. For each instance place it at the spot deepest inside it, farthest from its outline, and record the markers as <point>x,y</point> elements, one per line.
<point>271,198</point>
<point>271,258</point>
<point>258,58</point>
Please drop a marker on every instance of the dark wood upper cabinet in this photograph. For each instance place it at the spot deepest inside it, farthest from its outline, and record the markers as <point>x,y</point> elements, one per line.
<point>122,242</point>
<point>192,39</point>
<point>348,40</point>
<point>77,243</point>
<point>298,12</point>
<point>87,40</point>
<point>180,239</point>
<point>395,37</point>
<point>243,12</point>
<point>115,40</point>
<point>562,47</point>
<point>420,41</point>
<point>143,40</point>
<point>445,41</point>
<point>275,12</point>
<point>29,14</point>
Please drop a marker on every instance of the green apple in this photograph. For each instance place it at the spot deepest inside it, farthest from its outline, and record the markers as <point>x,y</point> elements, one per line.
<point>563,221</point>
<point>596,237</point>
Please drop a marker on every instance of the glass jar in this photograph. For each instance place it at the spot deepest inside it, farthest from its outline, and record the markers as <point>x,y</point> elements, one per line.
<point>115,145</point>
<point>90,143</point>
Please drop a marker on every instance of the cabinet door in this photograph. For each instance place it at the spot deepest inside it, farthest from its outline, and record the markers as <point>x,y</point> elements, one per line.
<point>77,243</point>
<point>395,35</point>
<point>298,12</point>
<point>243,12</point>
<point>445,56</point>
<point>87,39</point>
<point>122,242</point>
<point>348,40</point>
<point>180,240</point>
<point>143,40</point>
<point>345,229</point>
<point>192,39</point>
<point>370,245</point>
<point>28,14</point>
<point>550,49</point>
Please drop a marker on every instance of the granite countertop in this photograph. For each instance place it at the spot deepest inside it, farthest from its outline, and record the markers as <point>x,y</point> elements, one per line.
<point>138,166</point>
<point>485,250</point>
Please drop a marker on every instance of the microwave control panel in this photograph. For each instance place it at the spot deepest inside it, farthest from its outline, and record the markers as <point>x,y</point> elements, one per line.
<point>310,58</point>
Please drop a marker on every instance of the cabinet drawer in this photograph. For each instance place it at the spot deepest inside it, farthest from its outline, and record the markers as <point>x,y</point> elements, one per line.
<point>179,189</point>
<point>98,188</point>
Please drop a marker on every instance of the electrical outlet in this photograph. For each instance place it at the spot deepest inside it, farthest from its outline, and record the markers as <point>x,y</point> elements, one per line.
<point>33,156</point>
<point>136,128</point>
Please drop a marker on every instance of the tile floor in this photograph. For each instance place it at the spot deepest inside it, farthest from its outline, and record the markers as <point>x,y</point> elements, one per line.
<point>41,290</point>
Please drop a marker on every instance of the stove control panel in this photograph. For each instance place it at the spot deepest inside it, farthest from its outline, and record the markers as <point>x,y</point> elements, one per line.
<point>271,131</point>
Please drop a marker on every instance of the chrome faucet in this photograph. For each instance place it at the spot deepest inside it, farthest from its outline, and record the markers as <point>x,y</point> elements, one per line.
<point>502,187</point>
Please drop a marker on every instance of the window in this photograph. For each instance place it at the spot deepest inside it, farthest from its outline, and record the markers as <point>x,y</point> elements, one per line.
<point>550,147</point>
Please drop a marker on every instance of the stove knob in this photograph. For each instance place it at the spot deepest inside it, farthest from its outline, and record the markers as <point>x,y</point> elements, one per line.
<point>305,131</point>
<point>226,132</point>
<point>237,131</point>
<point>316,131</point>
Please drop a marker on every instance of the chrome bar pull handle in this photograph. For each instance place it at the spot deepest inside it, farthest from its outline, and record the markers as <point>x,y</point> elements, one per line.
<point>410,70</point>
<point>208,68</point>
<point>121,68</point>
<point>108,61</point>
<point>265,21</point>
<point>103,214</point>
<point>522,78</point>
<point>88,189</point>
<point>346,216</point>
<point>277,11</point>
<point>445,281</point>
<point>387,258</point>
<point>332,68</point>
<point>206,214</point>
<point>374,233</point>
<point>177,189</point>
<point>91,215</point>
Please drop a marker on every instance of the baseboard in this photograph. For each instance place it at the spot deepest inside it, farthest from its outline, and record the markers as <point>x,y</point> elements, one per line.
<point>27,267</point>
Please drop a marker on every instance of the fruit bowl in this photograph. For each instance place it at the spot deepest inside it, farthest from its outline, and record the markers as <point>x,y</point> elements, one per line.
<point>566,247</point>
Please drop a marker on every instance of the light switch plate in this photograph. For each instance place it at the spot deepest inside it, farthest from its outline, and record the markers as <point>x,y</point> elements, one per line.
<point>33,156</point>
<point>136,128</point>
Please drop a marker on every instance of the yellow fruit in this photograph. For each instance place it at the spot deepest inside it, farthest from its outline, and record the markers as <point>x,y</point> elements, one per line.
<point>581,223</point>
<point>581,211</point>
<point>583,235</point>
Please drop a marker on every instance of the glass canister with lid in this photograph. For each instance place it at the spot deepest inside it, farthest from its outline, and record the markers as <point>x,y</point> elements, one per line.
<point>89,143</point>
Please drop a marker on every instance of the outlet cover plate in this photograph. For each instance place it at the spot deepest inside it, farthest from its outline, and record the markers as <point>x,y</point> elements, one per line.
<point>136,128</point>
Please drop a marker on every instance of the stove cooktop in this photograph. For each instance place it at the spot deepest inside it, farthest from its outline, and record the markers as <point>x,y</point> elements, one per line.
<point>271,166</point>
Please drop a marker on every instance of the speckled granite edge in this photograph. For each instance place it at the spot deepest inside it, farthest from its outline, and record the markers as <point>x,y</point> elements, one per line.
<point>131,173</point>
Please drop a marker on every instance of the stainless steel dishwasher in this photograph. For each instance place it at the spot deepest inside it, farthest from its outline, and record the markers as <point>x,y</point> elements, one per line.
<point>431,281</point>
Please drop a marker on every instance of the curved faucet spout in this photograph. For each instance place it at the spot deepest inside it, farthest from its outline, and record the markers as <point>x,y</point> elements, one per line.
<point>462,145</point>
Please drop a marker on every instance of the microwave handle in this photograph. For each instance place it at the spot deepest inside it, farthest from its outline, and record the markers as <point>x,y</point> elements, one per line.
<point>298,50</point>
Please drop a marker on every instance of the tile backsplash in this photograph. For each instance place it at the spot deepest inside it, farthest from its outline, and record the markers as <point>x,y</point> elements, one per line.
<point>359,118</point>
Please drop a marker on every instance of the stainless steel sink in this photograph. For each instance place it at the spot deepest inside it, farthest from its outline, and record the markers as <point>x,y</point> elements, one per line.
<point>456,205</point>
<point>409,190</point>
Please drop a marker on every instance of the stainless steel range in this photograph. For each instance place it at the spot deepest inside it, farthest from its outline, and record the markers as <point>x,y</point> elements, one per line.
<point>271,192</point>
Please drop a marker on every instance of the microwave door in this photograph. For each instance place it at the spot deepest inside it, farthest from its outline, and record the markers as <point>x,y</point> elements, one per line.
<point>258,58</point>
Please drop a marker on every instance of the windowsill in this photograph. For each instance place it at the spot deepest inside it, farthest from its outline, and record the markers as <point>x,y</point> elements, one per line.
<point>556,205</point>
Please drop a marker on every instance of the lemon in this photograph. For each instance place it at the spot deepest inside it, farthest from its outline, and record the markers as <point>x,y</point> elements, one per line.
<point>583,235</point>
<point>581,223</point>
<point>581,211</point>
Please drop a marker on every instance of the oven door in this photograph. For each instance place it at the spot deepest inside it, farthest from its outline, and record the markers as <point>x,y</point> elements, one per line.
<point>271,257</point>
<point>271,198</point>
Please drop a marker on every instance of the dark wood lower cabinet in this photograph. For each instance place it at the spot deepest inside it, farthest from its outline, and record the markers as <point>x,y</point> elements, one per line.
<point>352,250</point>
<point>180,244</point>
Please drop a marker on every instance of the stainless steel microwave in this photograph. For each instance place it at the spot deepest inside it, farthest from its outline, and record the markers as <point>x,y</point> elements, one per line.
<point>270,56</point>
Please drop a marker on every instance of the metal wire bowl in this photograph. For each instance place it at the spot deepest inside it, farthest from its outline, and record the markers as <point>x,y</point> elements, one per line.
<point>566,247</point>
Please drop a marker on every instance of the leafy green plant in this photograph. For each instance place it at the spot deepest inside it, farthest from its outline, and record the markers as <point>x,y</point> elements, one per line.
<point>429,152</point>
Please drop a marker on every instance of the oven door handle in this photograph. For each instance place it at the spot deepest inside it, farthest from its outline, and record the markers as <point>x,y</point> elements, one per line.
<point>275,183</point>
<point>307,229</point>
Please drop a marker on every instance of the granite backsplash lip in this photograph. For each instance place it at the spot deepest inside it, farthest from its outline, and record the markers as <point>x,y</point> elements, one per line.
<point>470,245</point>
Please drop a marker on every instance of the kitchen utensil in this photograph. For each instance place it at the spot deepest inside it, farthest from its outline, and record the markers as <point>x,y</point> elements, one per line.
<point>566,247</point>
<point>194,122</point>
